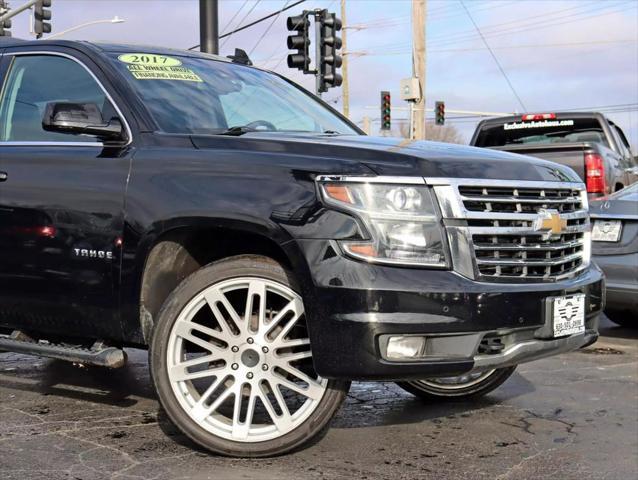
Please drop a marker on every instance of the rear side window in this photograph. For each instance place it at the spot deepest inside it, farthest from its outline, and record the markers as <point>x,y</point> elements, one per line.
<point>33,82</point>
<point>540,132</point>
<point>622,136</point>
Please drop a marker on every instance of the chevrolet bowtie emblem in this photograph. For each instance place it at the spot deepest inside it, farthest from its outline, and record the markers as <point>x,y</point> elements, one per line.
<point>550,221</point>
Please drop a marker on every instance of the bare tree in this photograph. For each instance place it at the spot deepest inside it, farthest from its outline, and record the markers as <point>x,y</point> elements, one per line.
<point>443,133</point>
<point>437,133</point>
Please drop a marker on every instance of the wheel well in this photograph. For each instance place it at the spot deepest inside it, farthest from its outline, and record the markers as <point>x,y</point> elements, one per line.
<point>179,253</point>
<point>619,186</point>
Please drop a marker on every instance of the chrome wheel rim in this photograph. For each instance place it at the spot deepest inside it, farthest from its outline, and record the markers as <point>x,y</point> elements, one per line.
<point>239,360</point>
<point>457,382</point>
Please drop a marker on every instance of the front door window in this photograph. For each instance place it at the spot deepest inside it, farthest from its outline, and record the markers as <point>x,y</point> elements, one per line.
<point>37,80</point>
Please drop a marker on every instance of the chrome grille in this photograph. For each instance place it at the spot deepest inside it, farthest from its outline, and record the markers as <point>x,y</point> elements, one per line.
<point>523,200</point>
<point>501,233</point>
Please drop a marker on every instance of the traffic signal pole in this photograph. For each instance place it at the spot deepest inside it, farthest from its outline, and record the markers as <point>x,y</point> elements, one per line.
<point>327,45</point>
<point>5,25</point>
<point>318,52</point>
<point>15,11</point>
<point>345,87</point>
<point>209,26</point>
<point>41,16</point>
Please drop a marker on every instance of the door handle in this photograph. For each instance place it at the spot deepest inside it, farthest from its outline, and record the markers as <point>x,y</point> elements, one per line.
<point>3,176</point>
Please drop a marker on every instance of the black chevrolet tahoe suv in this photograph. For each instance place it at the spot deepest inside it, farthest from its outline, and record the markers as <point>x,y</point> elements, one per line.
<point>265,250</point>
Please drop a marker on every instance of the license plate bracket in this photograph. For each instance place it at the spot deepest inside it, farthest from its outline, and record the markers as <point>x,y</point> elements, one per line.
<point>606,230</point>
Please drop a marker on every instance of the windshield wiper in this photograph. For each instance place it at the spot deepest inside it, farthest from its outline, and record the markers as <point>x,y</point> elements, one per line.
<point>237,131</point>
<point>242,129</point>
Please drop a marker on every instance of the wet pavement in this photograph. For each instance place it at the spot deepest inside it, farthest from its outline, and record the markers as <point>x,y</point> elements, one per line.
<point>574,416</point>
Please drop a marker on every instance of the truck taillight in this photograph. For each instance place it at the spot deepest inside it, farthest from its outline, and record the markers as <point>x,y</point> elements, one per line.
<point>538,116</point>
<point>595,173</point>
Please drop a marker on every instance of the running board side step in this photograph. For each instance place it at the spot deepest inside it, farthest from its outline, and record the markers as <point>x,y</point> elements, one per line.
<point>99,354</point>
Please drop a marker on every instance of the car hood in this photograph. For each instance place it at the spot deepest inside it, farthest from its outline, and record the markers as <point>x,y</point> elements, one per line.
<point>396,156</point>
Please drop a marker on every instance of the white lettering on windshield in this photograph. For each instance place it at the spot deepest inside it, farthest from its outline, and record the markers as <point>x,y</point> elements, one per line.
<point>544,123</point>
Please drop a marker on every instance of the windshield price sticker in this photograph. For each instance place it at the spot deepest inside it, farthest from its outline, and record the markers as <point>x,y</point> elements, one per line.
<point>538,124</point>
<point>157,67</point>
<point>149,59</point>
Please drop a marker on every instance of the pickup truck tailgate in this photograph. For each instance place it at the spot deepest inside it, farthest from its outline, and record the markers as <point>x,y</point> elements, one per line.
<point>569,154</point>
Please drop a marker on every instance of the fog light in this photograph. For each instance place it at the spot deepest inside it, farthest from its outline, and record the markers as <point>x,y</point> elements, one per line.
<point>405,347</point>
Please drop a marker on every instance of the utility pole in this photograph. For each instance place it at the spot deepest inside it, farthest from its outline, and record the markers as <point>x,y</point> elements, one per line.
<point>418,67</point>
<point>344,67</point>
<point>209,26</point>
<point>366,125</point>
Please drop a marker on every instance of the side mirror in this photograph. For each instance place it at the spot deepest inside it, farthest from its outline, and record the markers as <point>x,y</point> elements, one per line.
<point>80,118</point>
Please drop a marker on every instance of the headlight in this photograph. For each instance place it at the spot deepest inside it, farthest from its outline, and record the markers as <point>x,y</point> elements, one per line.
<point>401,219</point>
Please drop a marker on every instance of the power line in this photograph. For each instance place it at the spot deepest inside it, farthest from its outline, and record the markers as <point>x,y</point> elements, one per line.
<point>241,22</point>
<point>548,20</point>
<point>494,56</point>
<point>268,28</point>
<point>618,105</point>
<point>233,17</point>
<point>628,108</point>
<point>256,21</point>
<point>539,45</point>
<point>487,30</point>
<point>546,16</point>
<point>379,22</point>
<point>474,10</point>
<point>380,51</point>
<point>477,118</point>
<point>529,27</point>
<point>432,15</point>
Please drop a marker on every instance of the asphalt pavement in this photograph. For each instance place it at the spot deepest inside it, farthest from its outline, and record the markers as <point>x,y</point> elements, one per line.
<point>574,416</point>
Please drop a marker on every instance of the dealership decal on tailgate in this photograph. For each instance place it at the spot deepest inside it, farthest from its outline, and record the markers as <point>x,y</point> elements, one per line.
<point>568,315</point>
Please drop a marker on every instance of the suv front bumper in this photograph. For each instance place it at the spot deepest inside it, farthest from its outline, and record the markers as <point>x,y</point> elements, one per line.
<point>354,307</point>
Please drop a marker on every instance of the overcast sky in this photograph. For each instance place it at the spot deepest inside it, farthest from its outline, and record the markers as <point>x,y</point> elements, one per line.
<point>558,55</point>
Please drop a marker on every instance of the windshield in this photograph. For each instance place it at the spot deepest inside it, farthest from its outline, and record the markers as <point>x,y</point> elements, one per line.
<point>542,132</point>
<point>201,96</point>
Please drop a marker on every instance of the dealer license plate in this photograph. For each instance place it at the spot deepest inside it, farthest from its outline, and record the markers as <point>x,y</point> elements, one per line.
<point>606,231</point>
<point>568,314</point>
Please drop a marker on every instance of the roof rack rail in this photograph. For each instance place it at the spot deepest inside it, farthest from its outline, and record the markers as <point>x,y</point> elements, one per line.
<point>5,39</point>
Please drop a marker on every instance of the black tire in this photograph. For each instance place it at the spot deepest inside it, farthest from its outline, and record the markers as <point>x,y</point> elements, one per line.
<point>432,393</point>
<point>624,318</point>
<point>240,266</point>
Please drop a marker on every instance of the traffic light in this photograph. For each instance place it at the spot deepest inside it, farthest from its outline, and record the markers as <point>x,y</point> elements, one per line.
<point>329,60</point>
<point>386,123</point>
<point>300,41</point>
<point>41,17</point>
<point>5,25</point>
<point>439,113</point>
